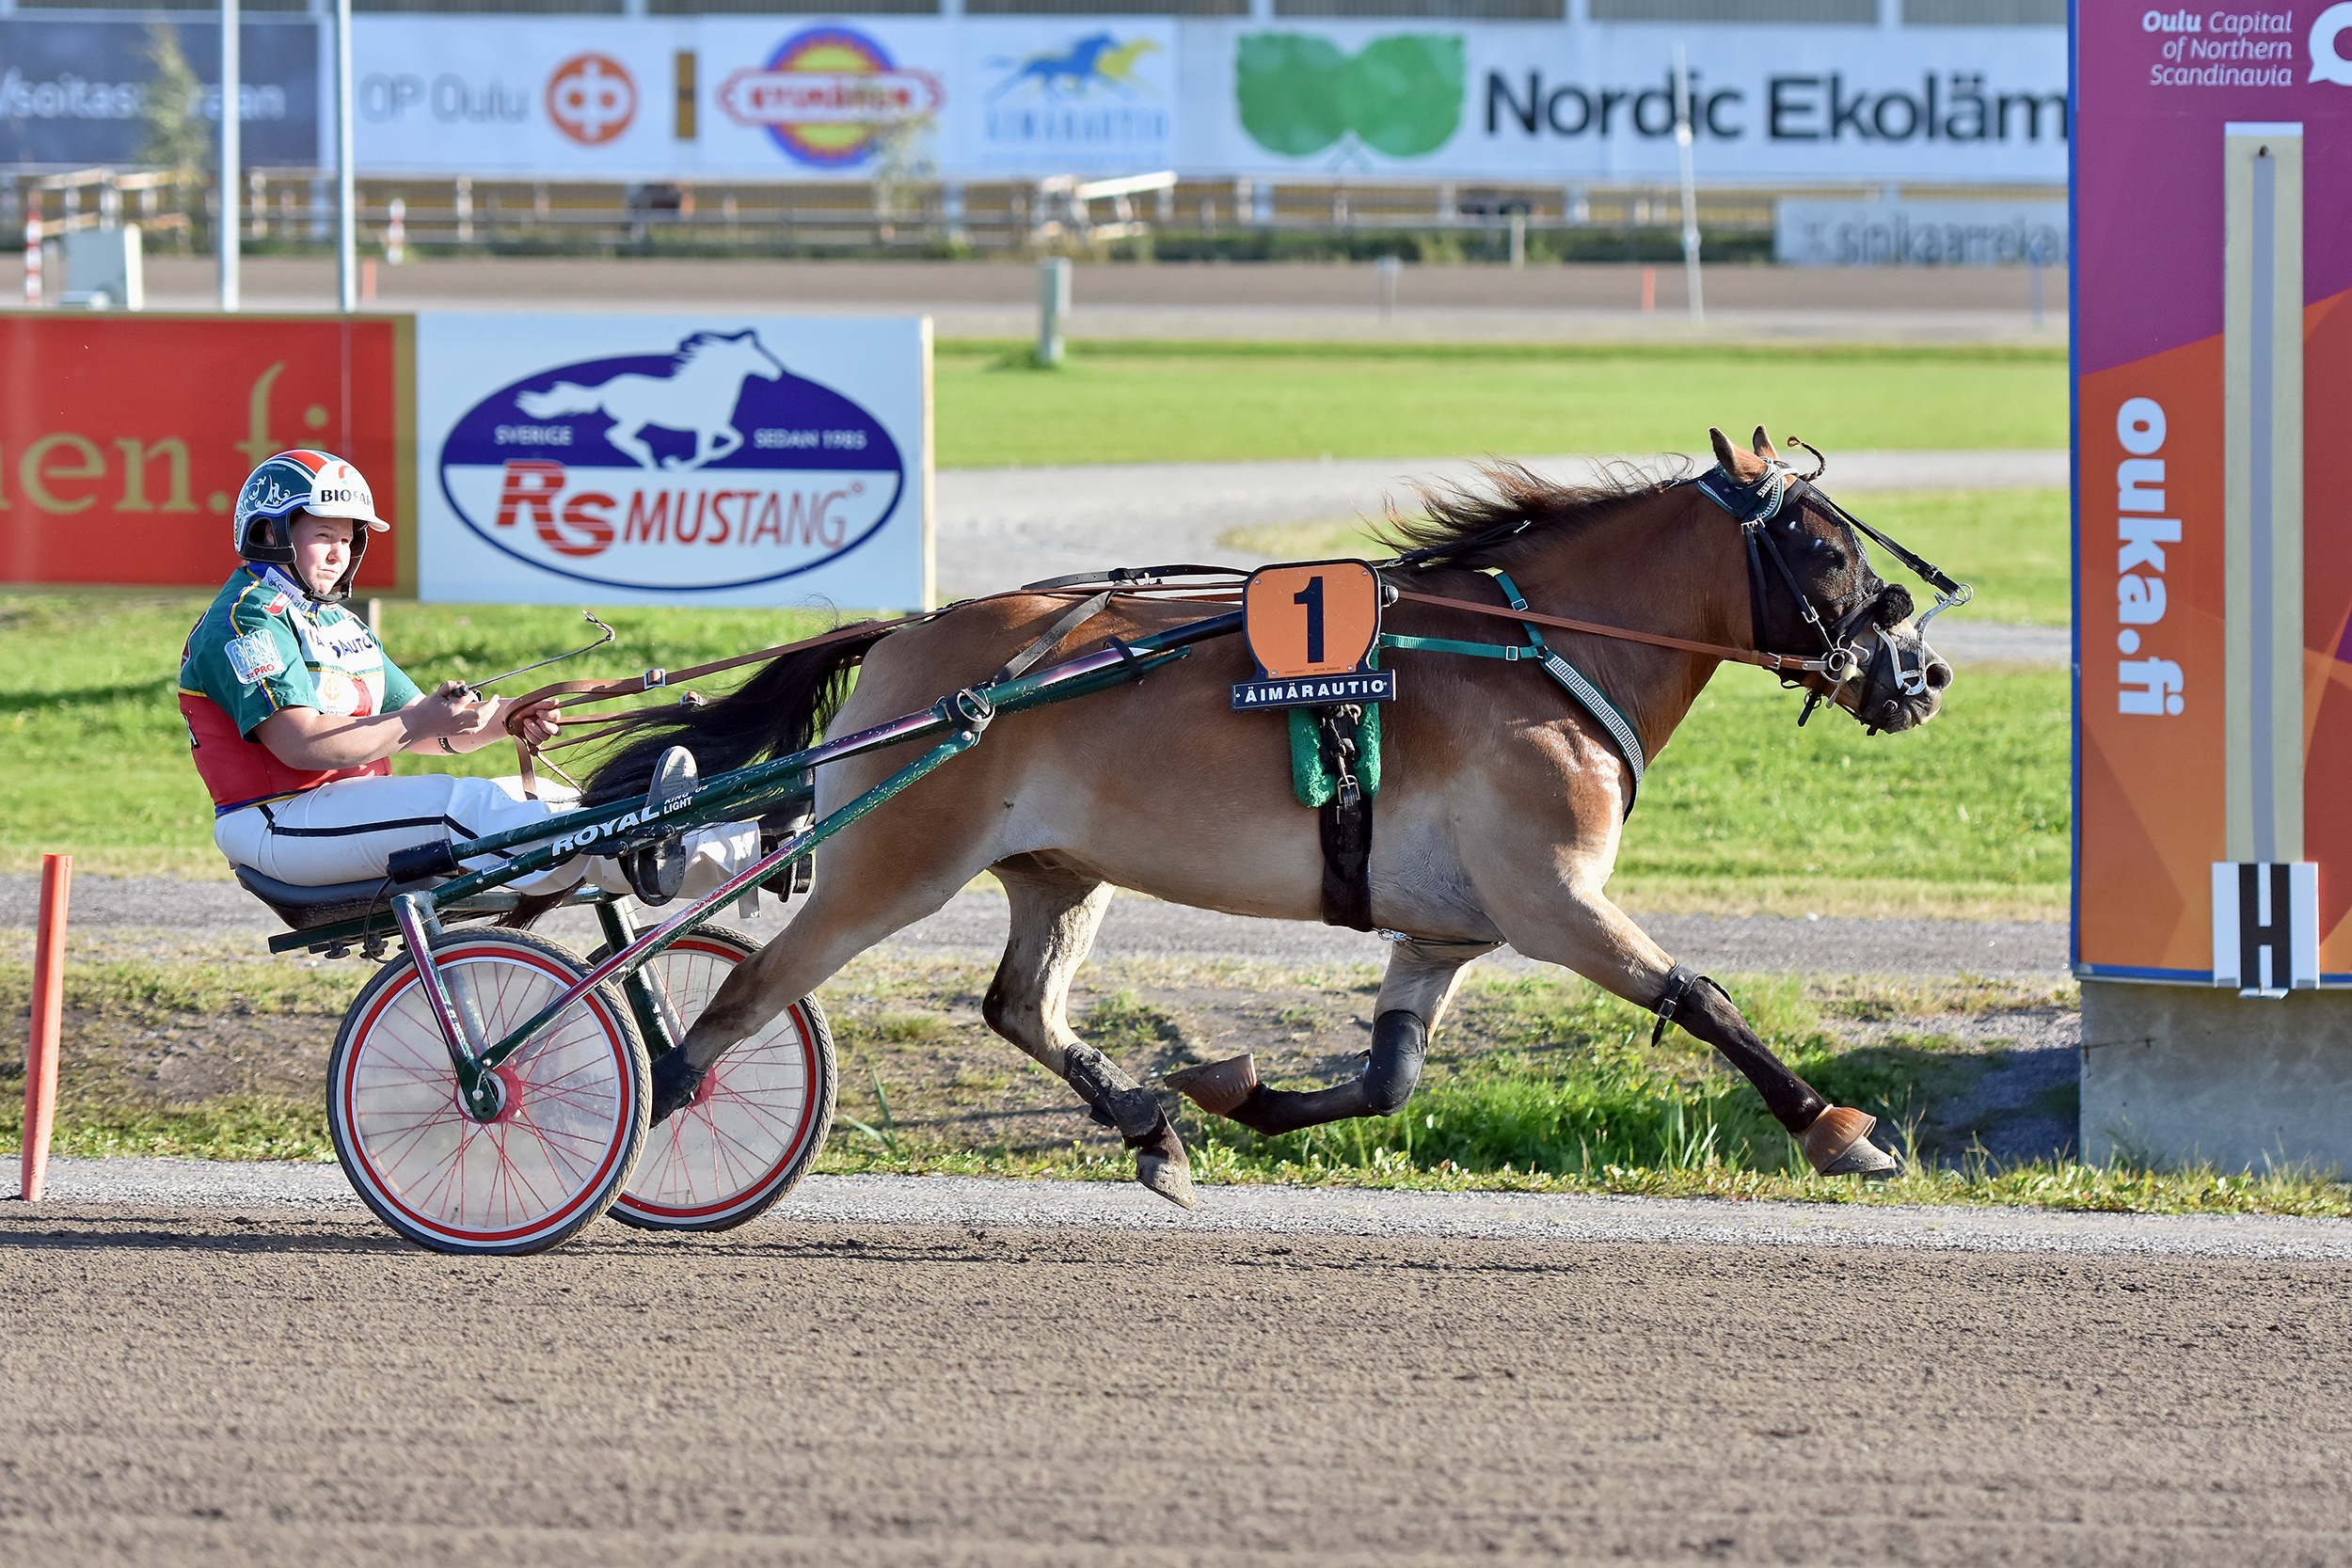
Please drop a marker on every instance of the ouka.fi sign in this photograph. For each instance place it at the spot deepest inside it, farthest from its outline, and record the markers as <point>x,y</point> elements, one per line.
<point>2212,331</point>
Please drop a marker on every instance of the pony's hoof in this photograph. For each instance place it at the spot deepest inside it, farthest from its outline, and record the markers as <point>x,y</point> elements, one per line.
<point>1218,1088</point>
<point>675,1081</point>
<point>1838,1144</point>
<point>1162,1166</point>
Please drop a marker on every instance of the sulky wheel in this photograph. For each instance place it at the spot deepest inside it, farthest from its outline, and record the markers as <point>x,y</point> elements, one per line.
<point>760,1119</point>
<point>573,1100</point>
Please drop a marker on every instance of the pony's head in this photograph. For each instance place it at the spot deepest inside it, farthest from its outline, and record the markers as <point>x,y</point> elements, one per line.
<point>741,351</point>
<point>1813,592</point>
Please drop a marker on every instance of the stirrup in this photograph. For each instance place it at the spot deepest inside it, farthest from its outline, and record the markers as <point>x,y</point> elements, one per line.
<point>656,871</point>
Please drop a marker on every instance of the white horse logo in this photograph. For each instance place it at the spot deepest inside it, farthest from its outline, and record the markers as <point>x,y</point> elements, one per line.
<point>698,396</point>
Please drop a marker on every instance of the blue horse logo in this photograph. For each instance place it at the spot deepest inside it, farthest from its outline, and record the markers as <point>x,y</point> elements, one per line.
<point>1098,60</point>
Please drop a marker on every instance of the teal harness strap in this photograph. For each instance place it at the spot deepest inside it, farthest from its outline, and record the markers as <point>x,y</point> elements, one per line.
<point>1513,652</point>
<point>1588,696</point>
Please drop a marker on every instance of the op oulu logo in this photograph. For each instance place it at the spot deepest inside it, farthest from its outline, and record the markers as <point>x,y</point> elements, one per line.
<point>707,467</point>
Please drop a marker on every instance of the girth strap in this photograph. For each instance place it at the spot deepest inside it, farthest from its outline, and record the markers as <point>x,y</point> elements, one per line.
<point>1345,820</point>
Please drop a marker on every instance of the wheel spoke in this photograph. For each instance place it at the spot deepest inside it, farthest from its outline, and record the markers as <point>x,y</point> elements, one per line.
<point>751,1130</point>
<point>414,1145</point>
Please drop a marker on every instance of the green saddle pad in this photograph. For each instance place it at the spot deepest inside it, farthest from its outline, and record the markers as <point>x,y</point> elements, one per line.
<point>1310,780</point>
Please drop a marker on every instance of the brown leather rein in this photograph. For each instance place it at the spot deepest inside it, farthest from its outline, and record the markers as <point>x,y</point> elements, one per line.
<point>598,691</point>
<point>1626,634</point>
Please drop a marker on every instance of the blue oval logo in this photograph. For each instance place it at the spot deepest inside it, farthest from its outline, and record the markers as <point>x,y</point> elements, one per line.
<point>707,467</point>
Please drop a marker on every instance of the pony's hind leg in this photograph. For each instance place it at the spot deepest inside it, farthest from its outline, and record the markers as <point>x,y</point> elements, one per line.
<point>855,904</point>
<point>1054,916</point>
<point>1421,980</point>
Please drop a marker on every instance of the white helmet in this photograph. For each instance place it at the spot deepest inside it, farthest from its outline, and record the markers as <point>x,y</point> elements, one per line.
<point>303,479</point>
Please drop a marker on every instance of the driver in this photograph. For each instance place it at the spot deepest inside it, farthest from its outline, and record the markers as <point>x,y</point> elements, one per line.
<point>294,713</point>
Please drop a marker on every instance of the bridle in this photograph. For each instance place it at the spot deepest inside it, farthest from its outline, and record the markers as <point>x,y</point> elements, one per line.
<point>1753,504</point>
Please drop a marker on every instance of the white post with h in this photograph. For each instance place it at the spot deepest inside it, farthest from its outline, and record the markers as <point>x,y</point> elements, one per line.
<point>2265,897</point>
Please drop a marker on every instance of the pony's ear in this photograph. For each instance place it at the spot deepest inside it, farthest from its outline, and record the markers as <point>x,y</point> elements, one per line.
<point>1764,446</point>
<point>1737,463</point>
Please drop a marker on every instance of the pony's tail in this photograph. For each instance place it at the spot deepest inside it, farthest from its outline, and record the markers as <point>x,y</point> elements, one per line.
<point>778,711</point>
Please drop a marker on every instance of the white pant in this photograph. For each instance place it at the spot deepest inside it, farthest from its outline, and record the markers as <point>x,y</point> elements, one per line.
<point>346,832</point>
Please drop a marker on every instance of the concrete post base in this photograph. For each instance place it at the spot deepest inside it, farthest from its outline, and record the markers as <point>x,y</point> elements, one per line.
<point>2178,1074</point>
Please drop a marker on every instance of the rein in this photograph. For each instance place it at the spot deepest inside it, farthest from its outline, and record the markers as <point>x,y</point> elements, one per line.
<point>1626,634</point>
<point>1121,581</point>
<point>1752,504</point>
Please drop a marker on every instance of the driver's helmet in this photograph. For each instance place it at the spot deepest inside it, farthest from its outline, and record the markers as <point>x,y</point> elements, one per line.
<point>301,481</point>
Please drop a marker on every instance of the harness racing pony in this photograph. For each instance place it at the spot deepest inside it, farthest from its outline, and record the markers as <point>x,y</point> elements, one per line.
<point>1498,820</point>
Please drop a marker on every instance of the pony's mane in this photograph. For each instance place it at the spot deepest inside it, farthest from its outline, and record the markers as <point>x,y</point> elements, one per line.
<point>1509,511</point>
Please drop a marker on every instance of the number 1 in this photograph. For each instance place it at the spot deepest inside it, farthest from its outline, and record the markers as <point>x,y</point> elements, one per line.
<point>1311,597</point>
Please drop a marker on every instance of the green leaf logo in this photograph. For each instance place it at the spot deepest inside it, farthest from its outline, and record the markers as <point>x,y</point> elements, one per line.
<point>1298,94</point>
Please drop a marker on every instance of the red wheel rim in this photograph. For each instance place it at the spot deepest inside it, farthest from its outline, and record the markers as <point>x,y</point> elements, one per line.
<point>752,1120</point>
<point>551,1152</point>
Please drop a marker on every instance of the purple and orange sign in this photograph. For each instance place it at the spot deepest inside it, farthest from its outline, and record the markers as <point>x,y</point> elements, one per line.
<point>2213,382</point>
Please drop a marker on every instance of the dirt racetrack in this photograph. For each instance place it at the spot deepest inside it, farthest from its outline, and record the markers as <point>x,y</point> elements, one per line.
<point>191,1387</point>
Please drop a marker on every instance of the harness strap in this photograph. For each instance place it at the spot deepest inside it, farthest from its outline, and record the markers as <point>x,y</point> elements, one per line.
<point>1574,681</point>
<point>1070,619</point>
<point>1678,983</point>
<point>1626,634</point>
<point>1587,694</point>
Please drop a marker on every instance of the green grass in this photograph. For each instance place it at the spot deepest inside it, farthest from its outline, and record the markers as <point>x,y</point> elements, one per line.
<point>142,990</point>
<point>235,1127</point>
<point>1574,1098</point>
<point>2010,545</point>
<point>1195,403</point>
<point>1537,1084</point>
<point>1973,806</point>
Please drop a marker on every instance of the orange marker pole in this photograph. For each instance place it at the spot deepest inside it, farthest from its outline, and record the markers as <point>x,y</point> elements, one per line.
<point>41,1056</point>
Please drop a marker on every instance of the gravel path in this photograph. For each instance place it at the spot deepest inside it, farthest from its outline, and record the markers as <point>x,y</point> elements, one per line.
<point>275,1385</point>
<point>953,1200</point>
<point>974,923</point>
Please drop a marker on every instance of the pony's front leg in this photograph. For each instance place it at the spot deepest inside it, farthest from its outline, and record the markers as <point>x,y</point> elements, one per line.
<point>1421,980</point>
<point>1599,941</point>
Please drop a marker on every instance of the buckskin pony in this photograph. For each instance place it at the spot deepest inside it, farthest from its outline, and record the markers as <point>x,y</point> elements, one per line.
<point>1499,821</point>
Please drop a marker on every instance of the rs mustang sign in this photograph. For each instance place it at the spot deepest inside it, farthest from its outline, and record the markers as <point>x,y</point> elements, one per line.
<point>675,460</point>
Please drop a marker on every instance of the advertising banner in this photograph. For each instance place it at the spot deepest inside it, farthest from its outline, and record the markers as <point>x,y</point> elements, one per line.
<point>2213,376</point>
<point>766,100</point>
<point>1810,233</point>
<point>675,460</point>
<point>123,439</point>
<point>1555,102</point>
<point>1056,95</point>
<point>773,99</point>
<point>74,94</point>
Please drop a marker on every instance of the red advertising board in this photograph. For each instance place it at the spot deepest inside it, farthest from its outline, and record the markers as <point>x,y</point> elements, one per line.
<point>124,439</point>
